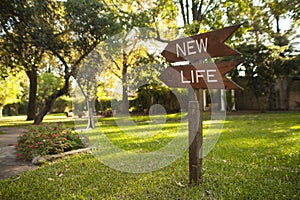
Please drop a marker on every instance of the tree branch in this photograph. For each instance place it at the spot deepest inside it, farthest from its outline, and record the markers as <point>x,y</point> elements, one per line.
<point>187,12</point>
<point>114,61</point>
<point>86,53</point>
<point>182,12</point>
<point>118,76</point>
<point>199,19</point>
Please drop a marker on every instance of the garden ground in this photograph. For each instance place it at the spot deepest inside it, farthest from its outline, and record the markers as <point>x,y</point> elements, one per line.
<point>9,164</point>
<point>256,157</point>
<point>10,129</point>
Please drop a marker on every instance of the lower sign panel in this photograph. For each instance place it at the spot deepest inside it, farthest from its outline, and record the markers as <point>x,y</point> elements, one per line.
<point>204,76</point>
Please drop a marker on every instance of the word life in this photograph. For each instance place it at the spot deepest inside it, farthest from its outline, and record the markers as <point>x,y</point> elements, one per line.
<point>194,76</point>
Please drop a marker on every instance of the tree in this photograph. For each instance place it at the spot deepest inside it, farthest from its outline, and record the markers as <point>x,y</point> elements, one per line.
<point>285,61</point>
<point>121,52</point>
<point>72,38</point>
<point>127,45</point>
<point>268,55</point>
<point>45,88</point>
<point>271,46</point>
<point>198,14</point>
<point>11,90</point>
<point>259,74</point>
<point>59,29</point>
<point>17,22</point>
<point>88,82</point>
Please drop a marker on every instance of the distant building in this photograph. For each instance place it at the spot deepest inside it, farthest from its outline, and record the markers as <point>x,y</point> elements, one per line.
<point>284,96</point>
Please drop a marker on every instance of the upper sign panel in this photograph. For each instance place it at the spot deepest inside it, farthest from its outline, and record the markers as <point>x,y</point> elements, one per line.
<point>206,45</point>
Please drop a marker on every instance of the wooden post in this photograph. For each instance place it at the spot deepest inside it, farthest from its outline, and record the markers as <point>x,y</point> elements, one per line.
<point>222,99</point>
<point>204,100</point>
<point>189,76</point>
<point>233,100</point>
<point>195,137</point>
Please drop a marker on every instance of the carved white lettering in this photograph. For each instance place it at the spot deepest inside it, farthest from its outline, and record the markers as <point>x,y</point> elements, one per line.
<point>199,75</point>
<point>182,49</point>
<point>209,74</point>
<point>192,76</point>
<point>190,48</point>
<point>182,78</point>
<point>202,45</point>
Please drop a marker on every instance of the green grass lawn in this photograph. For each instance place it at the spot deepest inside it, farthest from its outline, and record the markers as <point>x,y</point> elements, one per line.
<point>256,157</point>
<point>14,121</point>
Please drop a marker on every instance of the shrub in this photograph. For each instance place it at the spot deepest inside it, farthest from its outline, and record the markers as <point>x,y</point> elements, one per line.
<point>40,140</point>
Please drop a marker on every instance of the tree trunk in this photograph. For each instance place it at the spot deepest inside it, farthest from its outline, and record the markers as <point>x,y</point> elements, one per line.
<point>288,90</point>
<point>89,105</point>
<point>50,101</point>
<point>31,110</point>
<point>1,111</point>
<point>47,107</point>
<point>277,24</point>
<point>125,104</point>
<point>16,107</point>
<point>260,103</point>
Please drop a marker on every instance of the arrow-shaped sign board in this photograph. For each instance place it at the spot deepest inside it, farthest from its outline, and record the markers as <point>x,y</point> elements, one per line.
<point>199,76</point>
<point>204,76</point>
<point>206,45</point>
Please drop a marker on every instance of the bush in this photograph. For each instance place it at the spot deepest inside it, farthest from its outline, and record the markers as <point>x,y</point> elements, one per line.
<point>62,104</point>
<point>103,104</point>
<point>41,140</point>
<point>151,94</point>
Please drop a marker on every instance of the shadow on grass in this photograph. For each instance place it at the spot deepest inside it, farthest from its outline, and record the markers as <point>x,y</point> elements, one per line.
<point>20,121</point>
<point>241,166</point>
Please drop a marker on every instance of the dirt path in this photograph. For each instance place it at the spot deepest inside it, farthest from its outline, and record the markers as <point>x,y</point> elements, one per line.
<point>9,164</point>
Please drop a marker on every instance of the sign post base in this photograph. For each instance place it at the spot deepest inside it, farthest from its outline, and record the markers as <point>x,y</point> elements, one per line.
<point>195,137</point>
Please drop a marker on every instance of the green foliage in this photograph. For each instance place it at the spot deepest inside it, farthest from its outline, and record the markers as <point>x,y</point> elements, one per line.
<point>259,161</point>
<point>62,104</point>
<point>63,32</point>
<point>40,140</point>
<point>202,16</point>
<point>262,67</point>
<point>97,22</point>
<point>137,13</point>
<point>151,94</point>
<point>103,104</point>
<point>11,90</point>
<point>47,84</point>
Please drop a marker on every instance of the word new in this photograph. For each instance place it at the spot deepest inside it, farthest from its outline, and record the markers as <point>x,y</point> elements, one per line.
<point>196,75</point>
<point>191,47</point>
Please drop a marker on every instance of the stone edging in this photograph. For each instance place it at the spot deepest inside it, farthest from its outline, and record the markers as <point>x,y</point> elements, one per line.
<point>39,160</point>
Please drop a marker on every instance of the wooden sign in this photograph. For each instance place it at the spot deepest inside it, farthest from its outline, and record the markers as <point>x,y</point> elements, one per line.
<point>206,45</point>
<point>199,76</point>
<point>204,76</point>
